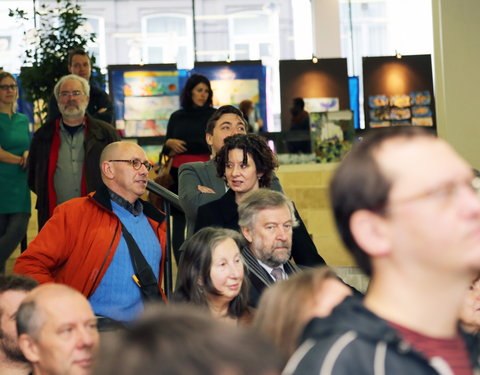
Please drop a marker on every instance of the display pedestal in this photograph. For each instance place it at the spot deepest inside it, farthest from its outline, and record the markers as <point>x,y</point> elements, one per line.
<point>307,186</point>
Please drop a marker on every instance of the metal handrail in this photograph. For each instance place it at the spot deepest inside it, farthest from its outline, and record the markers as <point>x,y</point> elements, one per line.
<point>169,199</point>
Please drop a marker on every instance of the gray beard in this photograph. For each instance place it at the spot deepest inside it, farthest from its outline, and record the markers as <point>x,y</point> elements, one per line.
<point>270,259</point>
<point>11,350</point>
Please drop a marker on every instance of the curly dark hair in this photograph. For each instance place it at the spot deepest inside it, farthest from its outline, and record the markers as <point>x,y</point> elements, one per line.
<point>253,145</point>
<point>186,96</point>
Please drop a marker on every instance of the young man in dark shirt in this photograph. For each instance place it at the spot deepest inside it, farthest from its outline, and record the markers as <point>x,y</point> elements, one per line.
<point>407,208</point>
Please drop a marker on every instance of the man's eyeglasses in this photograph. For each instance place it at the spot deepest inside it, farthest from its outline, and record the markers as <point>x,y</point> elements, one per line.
<point>136,164</point>
<point>445,193</point>
<point>6,87</point>
<point>74,93</point>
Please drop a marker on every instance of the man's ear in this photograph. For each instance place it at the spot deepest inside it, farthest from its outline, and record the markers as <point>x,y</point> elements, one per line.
<point>209,138</point>
<point>370,231</point>
<point>107,170</point>
<point>69,69</point>
<point>247,233</point>
<point>29,348</point>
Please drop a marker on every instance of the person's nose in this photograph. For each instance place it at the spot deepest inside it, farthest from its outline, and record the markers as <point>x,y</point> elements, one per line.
<point>86,337</point>
<point>143,169</point>
<point>236,130</point>
<point>470,199</point>
<point>282,234</point>
<point>234,271</point>
<point>236,170</point>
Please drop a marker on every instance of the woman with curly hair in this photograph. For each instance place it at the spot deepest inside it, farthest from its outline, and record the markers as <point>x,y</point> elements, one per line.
<point>211,274</point>
<point>247,163</point>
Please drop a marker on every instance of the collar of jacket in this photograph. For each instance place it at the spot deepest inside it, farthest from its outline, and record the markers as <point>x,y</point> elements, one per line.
<point>48,129</point>
<point>352,315</point>
<point>102,197</point>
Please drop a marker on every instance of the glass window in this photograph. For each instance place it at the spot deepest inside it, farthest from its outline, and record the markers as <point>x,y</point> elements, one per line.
<point>168,38</point>
<point>12,35</point>
<point>383,28</point>
<point>96,25</point>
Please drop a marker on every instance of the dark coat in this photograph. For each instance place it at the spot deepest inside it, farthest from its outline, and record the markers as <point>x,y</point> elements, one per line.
<point>353,340</point>
<point>223,213</point>
<point>99,135</point>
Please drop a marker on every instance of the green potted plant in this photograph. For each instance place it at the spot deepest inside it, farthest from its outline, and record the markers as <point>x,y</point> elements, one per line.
<point>59,27</point>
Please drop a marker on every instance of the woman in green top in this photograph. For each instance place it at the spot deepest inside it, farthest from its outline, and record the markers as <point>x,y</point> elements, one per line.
<point>14,192</point>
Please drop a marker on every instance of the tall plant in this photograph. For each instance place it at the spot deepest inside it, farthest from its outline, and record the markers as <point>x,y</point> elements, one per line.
<point>59,28</point>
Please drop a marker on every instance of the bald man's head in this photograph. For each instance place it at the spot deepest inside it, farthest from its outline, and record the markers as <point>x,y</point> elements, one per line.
<point>125,167</point>
<point>57,331</point>
<point>30,313</point>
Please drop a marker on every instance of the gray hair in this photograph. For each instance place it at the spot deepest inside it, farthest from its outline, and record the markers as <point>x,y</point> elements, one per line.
<point>69,77</point>
<point>262,199</point>
<point>29,319</point>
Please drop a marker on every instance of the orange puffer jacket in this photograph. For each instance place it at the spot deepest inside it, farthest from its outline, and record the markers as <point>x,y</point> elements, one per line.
<point>77,244</point>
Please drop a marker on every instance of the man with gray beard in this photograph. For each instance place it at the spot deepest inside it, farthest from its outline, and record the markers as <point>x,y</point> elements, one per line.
<point>13,289</point>
<point>65,152</point>
<point>266,219</point>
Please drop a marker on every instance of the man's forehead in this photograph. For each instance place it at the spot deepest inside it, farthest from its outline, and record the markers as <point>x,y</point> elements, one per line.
<point>71,83</point>
<point>80,58</point>
<point>277,214</point>
<point>413,160</point>
<point>128,150</point>
<point>67,310</point>
<point>230,118</point>
<point>11,298</point>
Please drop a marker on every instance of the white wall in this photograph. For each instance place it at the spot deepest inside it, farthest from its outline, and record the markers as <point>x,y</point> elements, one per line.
<point>457,75</point>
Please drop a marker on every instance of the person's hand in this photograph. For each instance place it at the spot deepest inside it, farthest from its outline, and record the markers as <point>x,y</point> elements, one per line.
<point>205,189</point>
<point>176,145</point>
<point>23,159</point>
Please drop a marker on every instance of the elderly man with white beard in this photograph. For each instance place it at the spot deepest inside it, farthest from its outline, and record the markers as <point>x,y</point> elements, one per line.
<point>65,152</point>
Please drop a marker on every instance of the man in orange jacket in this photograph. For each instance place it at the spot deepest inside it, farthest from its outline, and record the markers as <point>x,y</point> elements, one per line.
<point>87,242</point>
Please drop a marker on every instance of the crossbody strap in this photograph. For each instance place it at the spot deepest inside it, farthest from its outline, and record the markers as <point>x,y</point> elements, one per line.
<point>144,276</point>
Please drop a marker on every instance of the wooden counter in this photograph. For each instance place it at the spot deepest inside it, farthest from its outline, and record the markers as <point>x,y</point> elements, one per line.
<point>307,186</point>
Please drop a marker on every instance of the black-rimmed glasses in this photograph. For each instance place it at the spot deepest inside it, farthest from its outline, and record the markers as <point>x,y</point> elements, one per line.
<point>6,87</point>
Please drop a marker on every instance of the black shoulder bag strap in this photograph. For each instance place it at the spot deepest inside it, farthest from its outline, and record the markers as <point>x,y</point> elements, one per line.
<point>144,276</point>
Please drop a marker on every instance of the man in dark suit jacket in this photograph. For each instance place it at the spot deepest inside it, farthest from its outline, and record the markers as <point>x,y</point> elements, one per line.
<point>266,219</point>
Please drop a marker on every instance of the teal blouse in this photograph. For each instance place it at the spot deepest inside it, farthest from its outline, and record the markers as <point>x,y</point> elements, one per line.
<point>14,138</point>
